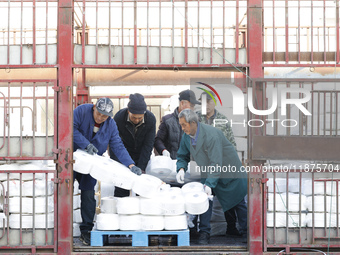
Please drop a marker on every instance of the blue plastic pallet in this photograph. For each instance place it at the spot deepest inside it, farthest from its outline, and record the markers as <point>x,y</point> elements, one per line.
<point>140,238</point>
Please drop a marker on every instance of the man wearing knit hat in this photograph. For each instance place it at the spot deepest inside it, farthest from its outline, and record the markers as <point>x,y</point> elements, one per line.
<point>137,129</point>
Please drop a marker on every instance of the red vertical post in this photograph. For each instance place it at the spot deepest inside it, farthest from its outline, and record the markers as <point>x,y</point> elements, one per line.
<point>135,34</point>
<point>186,34</point>
<point>337,32</point>
<point>255,50</point>
<point>65,127</point>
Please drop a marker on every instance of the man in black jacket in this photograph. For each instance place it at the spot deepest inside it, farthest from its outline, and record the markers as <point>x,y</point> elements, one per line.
<point>137,129</point>
<point>170,132</point>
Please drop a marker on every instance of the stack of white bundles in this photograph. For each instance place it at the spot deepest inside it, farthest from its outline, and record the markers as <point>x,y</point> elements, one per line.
<point>294,185</point>
<point>192,187</point>
<point>106,189</point>
<point>39,187</point>
<point>14,187</point>
<point>77,216</point>
<point>319,204</point>
<point>76,202</point>
<point>76,189</point>
<point>307,188</point>
<point>130,222</point>
<point>27,204</point>
<point>27,221</point>
<point>173,204</point>
<point>83,162</point>
<point>293,204</point>
<point>107,221</point>
<point>3,176</point>
<point>280,220</point>
<point>320,221</point>
<point>196,202</point>
<point>159,166</point>
<point>76,230</point>
<point>152,222</point>
<point>151,206</point>
<point>128,205</point>
<point>176,222</point>
<point>108,205</point>
<point>3,220</point>
<point>280,185</point>
<point>147,186</point>
<point>34,165</point>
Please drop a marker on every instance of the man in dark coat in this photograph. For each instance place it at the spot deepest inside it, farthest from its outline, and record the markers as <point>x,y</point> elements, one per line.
<point>137,129</point>
<point>93,131</point>
<point>220,168</point>
<point>170,133</point>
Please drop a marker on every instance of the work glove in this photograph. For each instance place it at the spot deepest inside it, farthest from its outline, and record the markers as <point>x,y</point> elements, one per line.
<point>136,170</point>
<point>180,176</point>
<point>91,149</point>
<point>166,153</point>
<point>208,191</point>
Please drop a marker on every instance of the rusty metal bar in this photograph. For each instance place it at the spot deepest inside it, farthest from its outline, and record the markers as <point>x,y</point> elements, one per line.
<point>20,181</point>
<point>21,30</point>
<point>312,31</point>
<point>337,32</point>
<point>237,32</point>
<point>110,51</point>
<point>122,32</point>
<point>34,119</point>
<point>147,31</point>
<point>173,32</point>
<point>83,35</point>
<point>299,32</point>
<point>46,209</point>
<point>97,31</point>
<point>274,30</point>
<point>286,33</point>
<point>46,34</point>
<point>211,31</point>
<point>34,33</point>
<point>134,33</point>
<point>9,119</point>
<point>198,33</point>
<point>186,33</point>
<point>324,30</point>
<point>160,31</point>
<point>8,31</point>
<point>21,116</point>
<point>46,121</point>
<point>4,123</point>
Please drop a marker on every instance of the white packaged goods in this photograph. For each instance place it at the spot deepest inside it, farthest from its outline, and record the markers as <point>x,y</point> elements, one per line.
<point>294,185</point>
<point>106,189</point>
<point>27,221</point>
<point>307,188</point>
<point>107,221</point>
<point>160,166</point>
<point>176,222</point>
<point>319,204</point>
<point>39,187</point>
<point>27,204</point>
<point>280,185</point>
<point>76,230</point>
<point>108,205</point>
<point>76,189</point>
<point>128,205</point>
<point>320,221</point>
<point>196,202</point>
<point>172,191</point>
<point>14,187</point>
<point>3,219</point>
<point>192,187</point>
<point>3,176</point>
<point>282,205</point>
<point>130,222</point>
<point>76,202</point>
<point>147,185</point>
<point>151,222</point>
<point>280,220</point>
<point>77,216</point>
<point>151,206</point>
<point>32,166</point>
<point>173,205</point>
<point>83,162</point>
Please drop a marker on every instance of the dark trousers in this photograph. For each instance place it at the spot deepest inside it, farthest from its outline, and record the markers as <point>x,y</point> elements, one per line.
<point>238,212</point>
<point>119,192</point>
<point>87,210</point>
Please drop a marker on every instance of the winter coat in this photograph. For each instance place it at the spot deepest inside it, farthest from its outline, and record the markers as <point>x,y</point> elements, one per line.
<point>214,150</point>
<point>83,123</point>
<point>169,134</point>
<point>139,144</point>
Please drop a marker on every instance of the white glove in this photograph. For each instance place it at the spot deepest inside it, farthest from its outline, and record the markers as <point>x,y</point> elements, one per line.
<point>166,153</point>
<point>207,190</point>
<point>180,176</point>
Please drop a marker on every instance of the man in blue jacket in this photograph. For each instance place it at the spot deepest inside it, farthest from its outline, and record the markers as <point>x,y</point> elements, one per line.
<point>137,129</point>
<point>93,131</point>
<point>220,168</point>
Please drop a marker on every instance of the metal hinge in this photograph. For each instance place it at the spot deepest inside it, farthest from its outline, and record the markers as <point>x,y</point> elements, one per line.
<point>57,89</point>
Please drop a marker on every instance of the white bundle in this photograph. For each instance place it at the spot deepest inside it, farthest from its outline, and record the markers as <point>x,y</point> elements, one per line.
<point>108,205</point>
<point>282,205</point>
<point>32,166</point>
<point>319,220</point>
<point>152,222</point>
<point>196,203</point>
<point>3,219</point>
<point>107,221</point>
<point>128,205</point>
<point>280,185</point>
<point>27,221</point>
<point>159,166</point>
<point>107,189</point>
<point>27,204</point>
<point>130,222</point>
<point>147,186</point>
<point>192,187</point>
<point>173,205</point>
<point>83,162</point>
<point>9,167</point>
<point>76,230</point>
<point>171,191</point>
<point>294,185</point>
<point>77,216</point>
<point>76,189</point>
<point>280,220</point>
<point>76,202</point>
<point>123,178</point>
<point>39,186</point>
<point>14,188</point>
<point>319,203</point>
<point>151,206</point>
<point>307,188</point>
<point>176,222</point>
